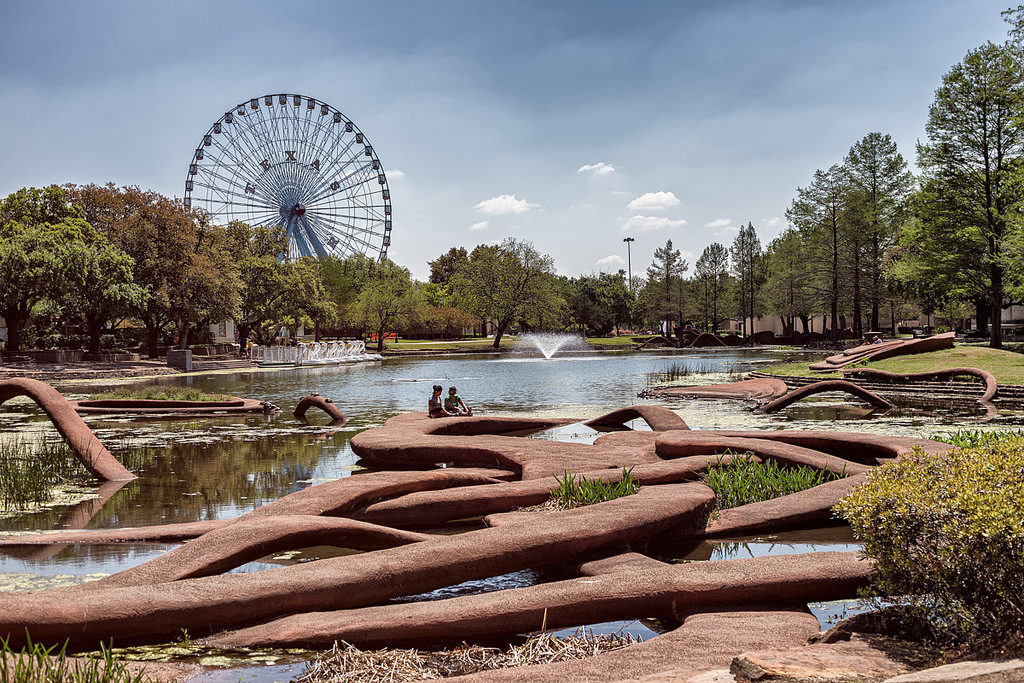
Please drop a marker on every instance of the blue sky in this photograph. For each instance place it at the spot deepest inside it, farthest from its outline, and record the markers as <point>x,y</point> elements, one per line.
<point>568,124</point>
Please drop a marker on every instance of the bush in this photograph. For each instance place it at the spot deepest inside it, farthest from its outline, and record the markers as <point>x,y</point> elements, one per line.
<point>745,480</point>
<point>947,532</point>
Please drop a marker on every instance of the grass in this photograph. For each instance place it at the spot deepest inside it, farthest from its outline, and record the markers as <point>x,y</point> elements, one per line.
<point>573,491</point>
<point>449,345</point>
<point>744,480</point>
<point>1007,366</point>
<point>973,438</point>
<point>348,663</point>
<point>30,472</point>
<point>162,394</point>
<point>36,663</point>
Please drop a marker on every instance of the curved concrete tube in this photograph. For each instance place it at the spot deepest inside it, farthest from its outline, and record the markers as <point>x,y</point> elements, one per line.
<point>93,454</point>
<point>686,444</point>
<point>896,347</point>
<point>156,612</point>
<point>224,549</point>
<point>324,404</point>
<point>658,418</point>
<point>824,387</point>
<point>759,388</point>
<point>991,385</point>
<point>669,591</point>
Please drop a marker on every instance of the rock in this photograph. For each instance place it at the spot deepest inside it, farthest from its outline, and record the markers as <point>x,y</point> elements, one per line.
<point>896,621</point>
<point>862,659</point>
<point>997,671</point>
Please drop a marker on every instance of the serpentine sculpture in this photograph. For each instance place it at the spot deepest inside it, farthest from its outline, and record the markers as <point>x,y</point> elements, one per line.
<point>490,471</point>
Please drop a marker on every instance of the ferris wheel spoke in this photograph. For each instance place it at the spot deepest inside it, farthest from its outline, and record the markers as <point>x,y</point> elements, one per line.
<point>343,163</point>
<point>257,182</point>
<point>346,229</point>
<point>233,186</point>
<point>337,187</point>
<point>226,192</point>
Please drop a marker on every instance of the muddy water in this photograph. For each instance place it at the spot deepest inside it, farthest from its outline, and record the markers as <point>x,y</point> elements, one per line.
<point>207,468</point>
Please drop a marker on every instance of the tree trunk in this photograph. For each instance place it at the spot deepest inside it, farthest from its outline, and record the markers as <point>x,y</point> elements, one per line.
<point>12,316</point>
<point>997,308</point>
<point>380,341</point>
<point>94,327</point>
<point>982,312</point>
<point>499,331</point>
<point>183,336</point>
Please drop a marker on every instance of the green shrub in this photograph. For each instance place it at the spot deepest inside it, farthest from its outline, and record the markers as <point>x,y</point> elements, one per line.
<point>573,491</point>
<point>745,480</point>
<point>947,532</point>
<point>35,663</point>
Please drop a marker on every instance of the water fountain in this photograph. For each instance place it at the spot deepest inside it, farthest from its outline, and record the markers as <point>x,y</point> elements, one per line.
<point>550,343</point>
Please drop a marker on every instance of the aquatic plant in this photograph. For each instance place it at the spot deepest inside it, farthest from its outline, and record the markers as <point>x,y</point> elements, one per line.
<point>30,471</point>
<point>576,491</point>
<point>163,393</point>
<point>744,480</point>
<point>947,532</point>
<point>37,663</point>
<point>349,663</point>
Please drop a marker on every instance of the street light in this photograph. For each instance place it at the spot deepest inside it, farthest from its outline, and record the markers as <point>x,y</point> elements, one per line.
<point>629,259</point>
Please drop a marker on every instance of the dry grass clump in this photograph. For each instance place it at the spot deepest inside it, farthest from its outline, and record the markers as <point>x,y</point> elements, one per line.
<point>348,663</point>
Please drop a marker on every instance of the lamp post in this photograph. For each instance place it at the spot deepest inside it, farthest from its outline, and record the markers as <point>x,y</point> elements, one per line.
<point>629,259</point>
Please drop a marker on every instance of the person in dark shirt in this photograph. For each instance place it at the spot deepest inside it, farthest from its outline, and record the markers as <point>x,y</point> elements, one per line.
<point>434,406</point>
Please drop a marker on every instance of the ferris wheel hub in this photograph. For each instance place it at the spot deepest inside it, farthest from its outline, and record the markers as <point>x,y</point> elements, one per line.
<point>298,210</point>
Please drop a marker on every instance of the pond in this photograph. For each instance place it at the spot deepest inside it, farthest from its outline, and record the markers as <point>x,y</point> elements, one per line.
<point>206,468</point>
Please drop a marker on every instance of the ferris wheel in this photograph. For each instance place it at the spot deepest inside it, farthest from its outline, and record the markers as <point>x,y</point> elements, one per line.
<point>294,161</point>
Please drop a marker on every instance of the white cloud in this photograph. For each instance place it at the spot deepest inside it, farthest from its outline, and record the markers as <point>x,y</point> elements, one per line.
<point>504,204</point>
<point>773,222</point>
<point>600,168</point>
<point>394,174</point>
<point>645,223</point>
<point>479,226</point>
<point>653,201</point>
<point>727,232</point>
<point>718,223</point>
<point>614,261</point>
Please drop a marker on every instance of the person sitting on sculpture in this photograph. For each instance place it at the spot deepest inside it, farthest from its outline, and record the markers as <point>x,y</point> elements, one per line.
<point>435,408</point>
<point>454,405</point>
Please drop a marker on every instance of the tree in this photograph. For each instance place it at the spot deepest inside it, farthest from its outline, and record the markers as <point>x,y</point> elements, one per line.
<point>263,298</point>
<point>971,166</point>
<point>208,288</point>
<point>879,176</point>
<point>507,282</point>
<point>36,228</point>
<point>387,301</point>
<point>599,302</point>
<point>711,273</point>
<point>161,236</point>
<point>665,271</point>
<point>445,266</point>
<point>100,286</point>
<point>787,291</point>
<point>749,272</point>
<point>343,280</point>
<point>817,213</point>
